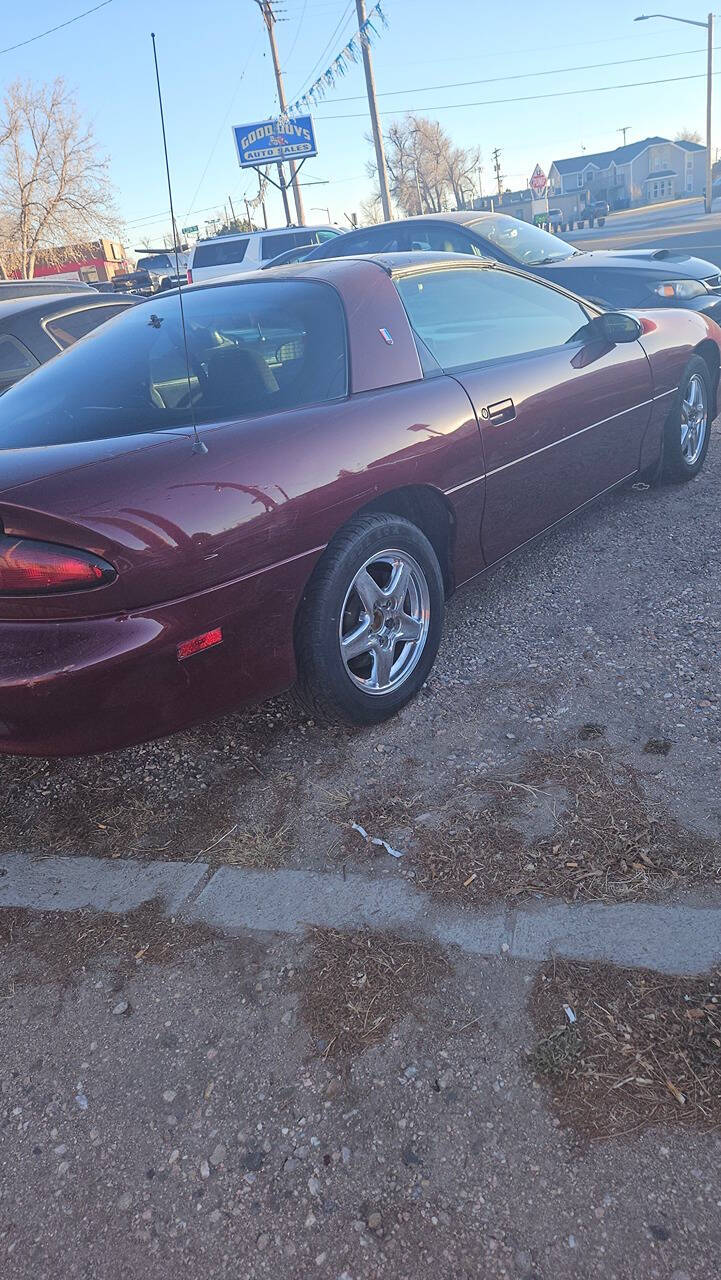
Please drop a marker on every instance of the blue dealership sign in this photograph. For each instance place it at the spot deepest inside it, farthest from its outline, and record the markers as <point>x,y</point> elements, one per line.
<point>269,141</point>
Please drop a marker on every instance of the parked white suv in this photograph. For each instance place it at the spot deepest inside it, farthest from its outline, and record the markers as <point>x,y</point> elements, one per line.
<point>233,255</point>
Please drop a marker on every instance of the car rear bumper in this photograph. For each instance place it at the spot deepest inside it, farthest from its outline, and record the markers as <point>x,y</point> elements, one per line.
<point>88,685</point>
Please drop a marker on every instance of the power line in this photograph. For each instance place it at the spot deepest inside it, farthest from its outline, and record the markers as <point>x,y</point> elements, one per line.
<point>526,75</point>
<point>534,97</point>
<point>341,23</point>
<point>222,126</point>
<point>297,32</point>
<point>59,27</point>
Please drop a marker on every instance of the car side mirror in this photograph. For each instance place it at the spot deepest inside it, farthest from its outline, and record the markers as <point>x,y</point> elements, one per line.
<point>615,326</point>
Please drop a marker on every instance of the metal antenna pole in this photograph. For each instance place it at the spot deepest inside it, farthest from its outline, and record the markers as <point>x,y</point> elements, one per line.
<point>266,9</point>
<point>198,446</point>
<point>375,119</point>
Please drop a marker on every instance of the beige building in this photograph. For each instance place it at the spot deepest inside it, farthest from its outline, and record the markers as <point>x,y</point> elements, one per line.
<point>645,172</point>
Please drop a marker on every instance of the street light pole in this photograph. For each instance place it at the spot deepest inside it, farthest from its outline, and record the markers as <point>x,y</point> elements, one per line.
<point>709,82</point>
<point>708,26</point>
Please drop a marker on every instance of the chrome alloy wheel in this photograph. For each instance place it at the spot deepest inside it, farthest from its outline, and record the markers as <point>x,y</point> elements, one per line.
<point>384,621</point>
<point>694,420</point>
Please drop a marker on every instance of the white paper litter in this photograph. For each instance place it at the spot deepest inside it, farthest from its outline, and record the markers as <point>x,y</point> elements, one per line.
<point>569,1013</point>
<point>395,853</point>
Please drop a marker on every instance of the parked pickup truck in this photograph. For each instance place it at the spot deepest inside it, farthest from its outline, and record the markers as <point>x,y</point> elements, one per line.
<point>153,274</point>
<point>593,213</point>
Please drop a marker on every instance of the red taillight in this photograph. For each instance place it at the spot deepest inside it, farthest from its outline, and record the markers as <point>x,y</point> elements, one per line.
<point>198,643</point>
<point>34,568</point>
<point>190,276</point>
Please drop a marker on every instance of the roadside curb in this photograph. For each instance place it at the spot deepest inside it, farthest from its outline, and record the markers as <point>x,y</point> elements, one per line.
<point>673,937</point>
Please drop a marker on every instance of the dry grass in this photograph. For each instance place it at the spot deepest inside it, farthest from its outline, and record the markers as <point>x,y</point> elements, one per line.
<point>256,845</point>
<point>645,1049</point>
<point>65,807</point>
<point>606,843</point>
<point>37,947</point>
<point>357,985</point>
<point>609,844</point>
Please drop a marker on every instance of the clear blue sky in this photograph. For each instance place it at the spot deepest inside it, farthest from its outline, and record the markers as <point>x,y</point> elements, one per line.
<point>216,71</point>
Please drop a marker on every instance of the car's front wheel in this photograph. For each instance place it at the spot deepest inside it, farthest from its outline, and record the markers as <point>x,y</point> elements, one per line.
<point>688,426</point>
<point>370,622</point>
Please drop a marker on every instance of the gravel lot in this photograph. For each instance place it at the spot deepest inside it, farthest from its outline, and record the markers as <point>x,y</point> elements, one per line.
<point>179,1118</point>
<point>205,1126</point>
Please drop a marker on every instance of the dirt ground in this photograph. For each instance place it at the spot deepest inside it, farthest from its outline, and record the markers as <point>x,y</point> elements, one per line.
<point>186,1117</point>
<point>568,744</point>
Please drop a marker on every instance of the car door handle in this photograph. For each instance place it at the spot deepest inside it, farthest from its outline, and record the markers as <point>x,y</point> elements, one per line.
<point>500,412</point>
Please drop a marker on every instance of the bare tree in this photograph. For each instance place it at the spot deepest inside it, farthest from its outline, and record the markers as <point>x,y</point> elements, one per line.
<point>427,172</point>
<point>688,135</point>
<point>54,188</point>
<point>371,210</point>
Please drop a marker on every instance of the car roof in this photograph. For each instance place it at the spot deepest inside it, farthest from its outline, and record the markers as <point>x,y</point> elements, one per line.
<point>461,216</point>
<point>264,231</point>
<point>393,264</point>
<point>44,303</point>
<point>42,284</point>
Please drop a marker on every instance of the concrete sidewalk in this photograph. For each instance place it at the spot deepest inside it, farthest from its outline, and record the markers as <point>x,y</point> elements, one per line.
<point>671,937</point>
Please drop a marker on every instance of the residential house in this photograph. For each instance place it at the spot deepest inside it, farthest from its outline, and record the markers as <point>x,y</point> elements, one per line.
<point>515,203</point>
<point>654,169</point>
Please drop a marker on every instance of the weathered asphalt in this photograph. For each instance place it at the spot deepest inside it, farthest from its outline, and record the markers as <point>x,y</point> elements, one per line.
<point>689,231</point>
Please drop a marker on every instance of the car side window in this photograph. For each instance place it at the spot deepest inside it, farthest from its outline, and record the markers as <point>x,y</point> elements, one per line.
<point>384,239</point>
<point>441,239</point>
<point>467,317</point>
<point>15,359</point>
<point>67,329</point>
<point>256,348</point>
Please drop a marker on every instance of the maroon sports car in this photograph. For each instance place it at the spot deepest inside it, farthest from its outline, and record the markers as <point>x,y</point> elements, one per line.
<point>345,443</point>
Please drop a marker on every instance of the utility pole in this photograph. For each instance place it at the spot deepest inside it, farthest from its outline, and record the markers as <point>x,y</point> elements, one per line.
<point>266,8</point>
<point>232,210</point>
<point>496,157</point>
<point>375,121</point>
<point>625,128</point>
<point>261,198</point>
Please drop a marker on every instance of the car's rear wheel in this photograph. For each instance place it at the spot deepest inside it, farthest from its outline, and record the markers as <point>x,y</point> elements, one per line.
<point>688,426</point>
<point>370,622</point>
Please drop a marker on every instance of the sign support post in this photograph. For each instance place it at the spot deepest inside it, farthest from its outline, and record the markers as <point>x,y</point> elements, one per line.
<point>539,188</point>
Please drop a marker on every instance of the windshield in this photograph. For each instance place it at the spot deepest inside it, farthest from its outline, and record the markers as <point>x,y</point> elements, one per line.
<point>252,348</point>
<point>160,261</point>
<point>525,244</point>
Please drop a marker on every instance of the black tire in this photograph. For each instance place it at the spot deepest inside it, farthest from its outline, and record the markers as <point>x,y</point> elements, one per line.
<point>601,222</point>
<point>676,467</point>
<point>325,686</point>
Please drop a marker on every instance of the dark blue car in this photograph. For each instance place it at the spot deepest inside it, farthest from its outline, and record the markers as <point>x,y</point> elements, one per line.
<point>615,278</point>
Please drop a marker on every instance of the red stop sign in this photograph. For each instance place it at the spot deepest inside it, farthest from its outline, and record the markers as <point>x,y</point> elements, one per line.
<point>539,181</point>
